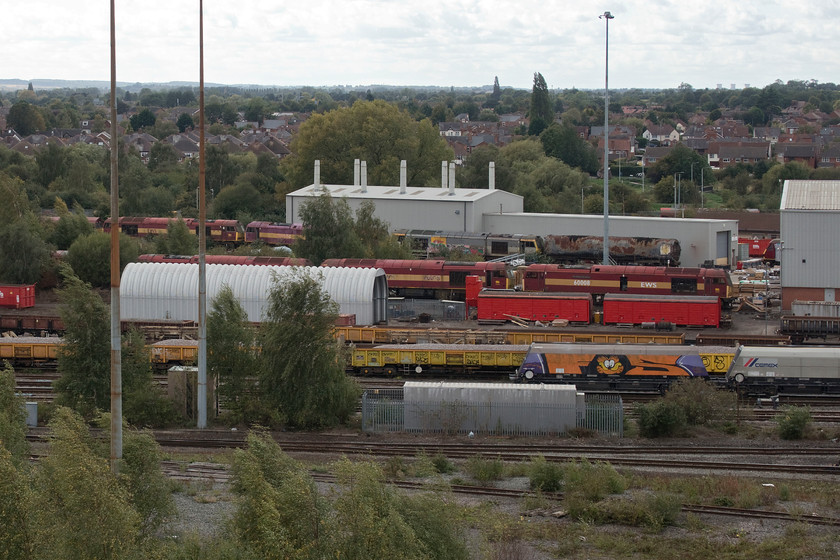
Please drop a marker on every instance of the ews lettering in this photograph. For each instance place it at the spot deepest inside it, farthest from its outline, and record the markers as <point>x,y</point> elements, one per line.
<point>648,284</point>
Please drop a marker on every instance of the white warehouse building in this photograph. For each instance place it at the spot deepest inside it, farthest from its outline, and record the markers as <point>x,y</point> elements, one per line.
<point>499,212</point>
<point>169,291</point>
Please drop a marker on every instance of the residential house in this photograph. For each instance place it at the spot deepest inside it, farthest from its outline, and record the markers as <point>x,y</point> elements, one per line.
<point>805,154</point>
<point>726,154</point>
<point>665,135</point>
<point>768,133</point>
<point>829,156</point>
<point>652,155</point>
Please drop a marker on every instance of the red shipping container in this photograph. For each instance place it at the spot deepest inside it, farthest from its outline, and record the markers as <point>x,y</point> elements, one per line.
<point>694,311</point>
<point>17,296</point>
<point>501,305</point>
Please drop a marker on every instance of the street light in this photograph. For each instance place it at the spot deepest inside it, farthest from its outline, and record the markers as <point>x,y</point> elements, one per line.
<point>679,190</point>
<point>607,17</point>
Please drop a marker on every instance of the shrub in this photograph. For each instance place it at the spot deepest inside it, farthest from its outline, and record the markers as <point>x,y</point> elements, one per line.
<point>702,402</point>
<point>592,481</point>
<point>545,476</point>
<point>442,464</point>
<point>661,418</point>
<point>794,421</point>
<point>483,469</point>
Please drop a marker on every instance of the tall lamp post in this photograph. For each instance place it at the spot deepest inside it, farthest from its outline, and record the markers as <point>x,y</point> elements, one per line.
<point>607,17</point>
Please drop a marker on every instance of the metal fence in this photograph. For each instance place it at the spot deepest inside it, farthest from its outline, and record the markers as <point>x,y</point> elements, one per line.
<point>384,410</point>
<point>425,309</point>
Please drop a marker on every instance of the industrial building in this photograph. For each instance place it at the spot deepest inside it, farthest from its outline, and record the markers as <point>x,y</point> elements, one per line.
<point>169,291</point>
<point>810,229</point>
<point>500,212</point>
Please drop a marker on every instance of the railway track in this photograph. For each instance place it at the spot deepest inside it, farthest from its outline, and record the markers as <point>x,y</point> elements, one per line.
<point>822,460</point>
<point>220,474</point>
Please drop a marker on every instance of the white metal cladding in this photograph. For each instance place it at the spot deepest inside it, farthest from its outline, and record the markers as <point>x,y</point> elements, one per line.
<point>484,407</point>
<point>810,258</point>
<point>169,291</point>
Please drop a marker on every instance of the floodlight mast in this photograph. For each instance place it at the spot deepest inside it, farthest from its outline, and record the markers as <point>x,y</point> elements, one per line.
<point>607,16</point>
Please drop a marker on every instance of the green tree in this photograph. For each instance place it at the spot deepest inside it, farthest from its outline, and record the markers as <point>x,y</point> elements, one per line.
<point>90,257</point>
<point>51,163</point>
<point>17,540</point>
<point>23,252</point>
<point>179,240</point>
<point>146,485</point>
<point>562,142</point>
<point>85,357</point>
<point>25,118</point>
<point>162,157</point>
<point>374,234</point>
<point>232,360</point>
<point>302,364</point>
<point>184,122</point>
<point>12,418</point>
<point>377,132</point>
<point>80,509</point>
<point>145,118</point>
<point>540,114</point>
<point>280,512</point>
<point>679,160</point>
<point>237,198</point>
<point>70,226</point>
<point>328,230</point>
<point>145,404</point>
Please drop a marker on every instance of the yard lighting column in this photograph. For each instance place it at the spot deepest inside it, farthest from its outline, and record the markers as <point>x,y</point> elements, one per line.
<point>607,17</point>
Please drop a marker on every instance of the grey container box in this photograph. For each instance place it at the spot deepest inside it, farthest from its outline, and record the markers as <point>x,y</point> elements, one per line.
<point>32,414</point>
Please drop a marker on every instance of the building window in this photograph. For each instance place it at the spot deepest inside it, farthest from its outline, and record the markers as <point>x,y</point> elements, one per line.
<point>726,160</point>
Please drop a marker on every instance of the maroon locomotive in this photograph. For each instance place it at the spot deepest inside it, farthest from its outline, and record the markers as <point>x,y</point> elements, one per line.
<point>431,278</point>
<point>608,279</point>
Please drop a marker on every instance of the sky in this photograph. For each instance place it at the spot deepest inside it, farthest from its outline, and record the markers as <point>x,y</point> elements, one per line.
<point>652,44</point>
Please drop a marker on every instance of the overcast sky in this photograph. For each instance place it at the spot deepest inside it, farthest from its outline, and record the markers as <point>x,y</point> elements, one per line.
<point>653,44</point>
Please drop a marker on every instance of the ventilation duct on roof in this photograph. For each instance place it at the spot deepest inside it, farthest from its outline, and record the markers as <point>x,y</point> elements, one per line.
<point>443,172</point>
<point>317,181</point>
<point>355,172</point>
<point>451,178</point>
<point>492,177</point>
<point>403,177</point>
<point>363,173</point>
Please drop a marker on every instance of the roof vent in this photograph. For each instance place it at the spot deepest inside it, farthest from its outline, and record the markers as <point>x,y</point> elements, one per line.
<point>403,177</point>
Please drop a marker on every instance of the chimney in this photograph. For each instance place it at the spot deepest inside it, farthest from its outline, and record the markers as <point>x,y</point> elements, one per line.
<point>443,174</point>
<point>363,172</point>
<point>317,173</point>
<point>492,179</point>
<point>403,177</point>
<point>356,172</point>
<point>451,178</point>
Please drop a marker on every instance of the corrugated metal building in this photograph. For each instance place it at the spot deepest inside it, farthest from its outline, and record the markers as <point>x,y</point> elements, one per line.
<point>810,230</point>
<point>501,212</point>
<point>700,240</point>
<point>416,207</point>
<point>169,291</point>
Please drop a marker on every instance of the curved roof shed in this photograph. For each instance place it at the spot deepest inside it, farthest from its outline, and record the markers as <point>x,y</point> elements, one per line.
<point>169,291</point>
